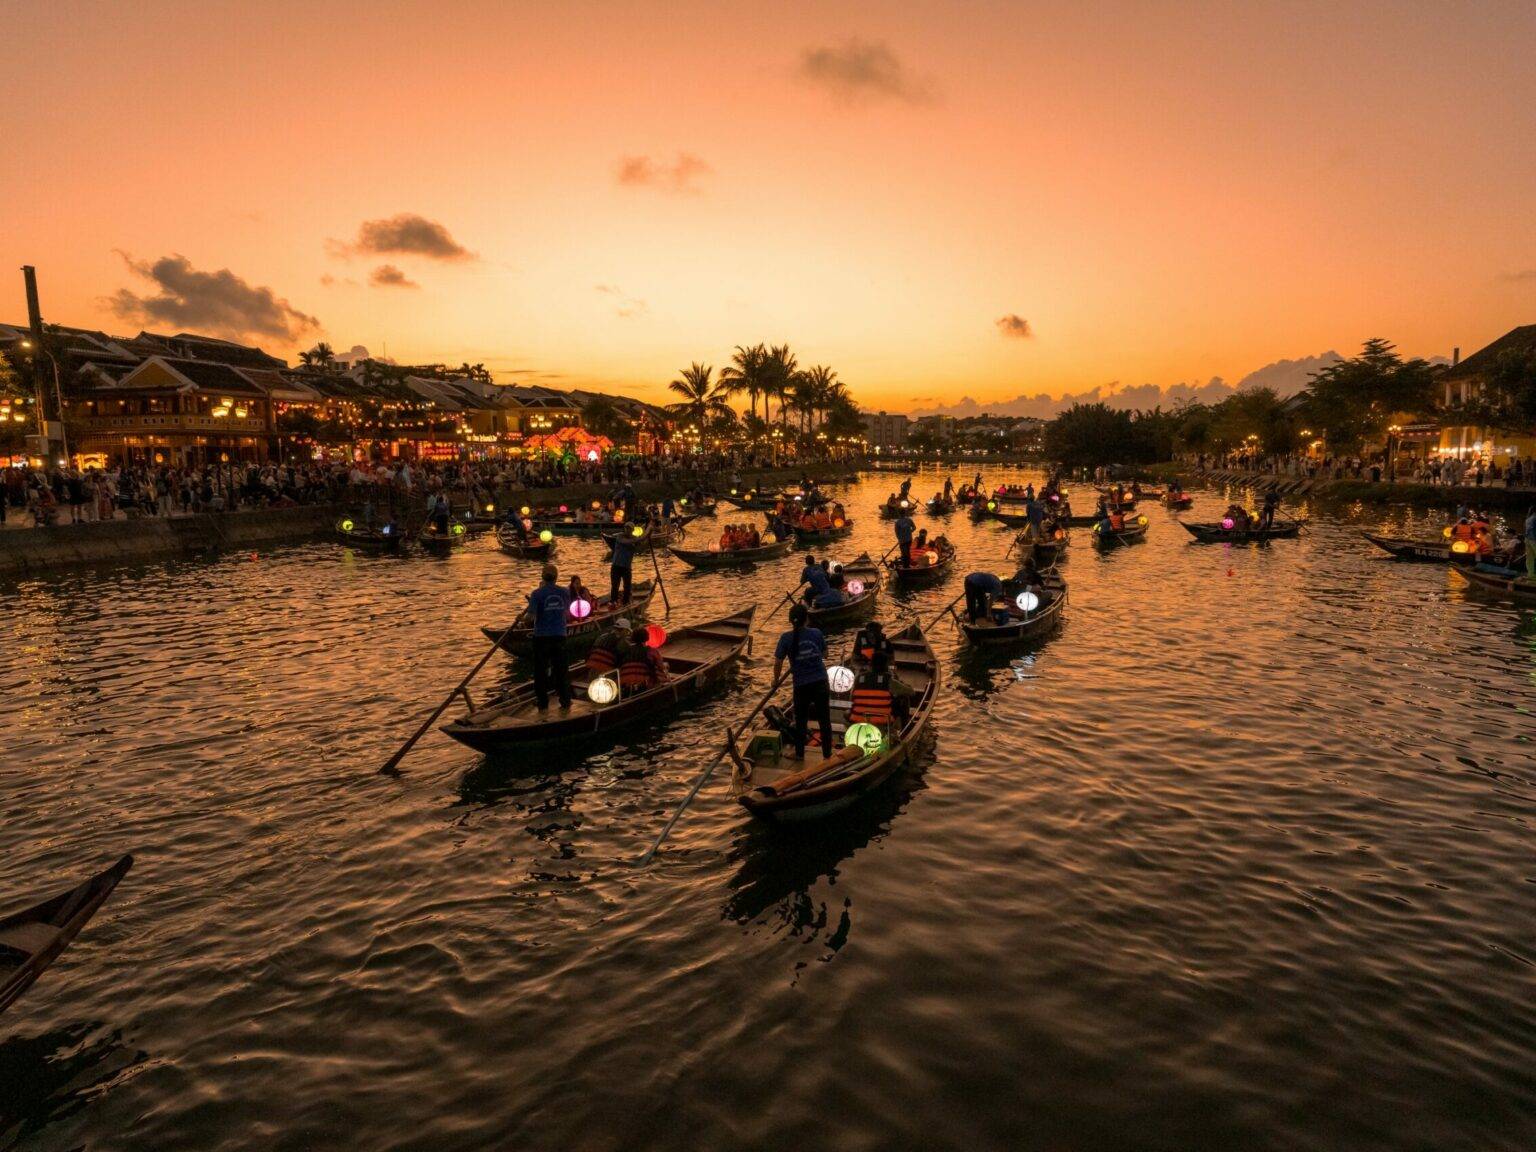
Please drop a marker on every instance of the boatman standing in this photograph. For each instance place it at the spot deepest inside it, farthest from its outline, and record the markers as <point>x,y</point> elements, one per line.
<point>1530,544</point>
<point>806,648</point>
<point>904,530</point>
<point>1267,513</point>
<point>547,608</point>
<point>621,573</point>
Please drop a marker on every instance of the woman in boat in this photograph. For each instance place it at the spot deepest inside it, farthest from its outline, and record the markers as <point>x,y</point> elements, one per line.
<point>1241,519</point>
<point>642,666</point>
<point>579,591</point>
<point>608,651</point>
<point>806,648</point>
<point>835,596</point>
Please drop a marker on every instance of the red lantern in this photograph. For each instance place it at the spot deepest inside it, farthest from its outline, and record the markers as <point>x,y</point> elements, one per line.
<point>655,635</point>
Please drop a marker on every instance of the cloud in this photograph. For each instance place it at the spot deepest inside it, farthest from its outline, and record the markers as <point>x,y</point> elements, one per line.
<point>388,276</point>
<point>404,235</point>
<point>219,303</point>
<point>862,71</point>
<point>1287,377</point>
<point>1014,326</point>
<point>1524,276</point>
<point>624,304</point>
<point>680,177</point>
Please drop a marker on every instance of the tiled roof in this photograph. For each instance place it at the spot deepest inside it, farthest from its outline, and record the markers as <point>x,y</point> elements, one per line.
<point>1481,362</point>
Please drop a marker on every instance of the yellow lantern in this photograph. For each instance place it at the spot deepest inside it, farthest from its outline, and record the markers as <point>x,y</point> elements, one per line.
<point>546,536</point>
<point>637,531</point>
<point>1461,547</point>
<point>1446,533</point>
<point>525,510</point>
<point>346,525</point>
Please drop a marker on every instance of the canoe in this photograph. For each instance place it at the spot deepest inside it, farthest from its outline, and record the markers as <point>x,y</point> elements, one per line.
<point>581,633</point>
<point>375,539</point>
<point>511,542</point>
<point>435,541</point>
<point>735,557</point>
<point>31,939</point>
<point>889,511</point>
<point>753,503</point>
<point>1132,533</point>
<point>1036,624</point>
<point>697,659</point>
<point>1426,551</point>
<point>591,529</point>
<point>940,507</point>
<point>1177,502</point>
<point>703,507</point>
<point>923,575</point>
<point>859,607</point>
<point>656,538</point>
<point>770,783</point>
<point>1519,586</point>
<point>1216,534</point>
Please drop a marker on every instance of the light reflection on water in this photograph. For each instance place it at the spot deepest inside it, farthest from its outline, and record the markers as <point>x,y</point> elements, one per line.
<point>1244,861</point>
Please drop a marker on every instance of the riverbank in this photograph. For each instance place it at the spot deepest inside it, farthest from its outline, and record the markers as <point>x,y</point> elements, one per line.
<point>32,551</point>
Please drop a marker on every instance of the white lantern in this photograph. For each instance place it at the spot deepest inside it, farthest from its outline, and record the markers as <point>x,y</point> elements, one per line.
<point>1027,602</point>
<point>840,679</point>
<point>602,691</point>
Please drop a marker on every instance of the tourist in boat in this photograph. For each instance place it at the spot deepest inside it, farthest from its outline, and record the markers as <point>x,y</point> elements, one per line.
<point>578,590</point>
<point>642,666</point>
<point>919,543</point>
<point>621,570</point>
<point>607,651</point>
<point>981,589</point>
<point>814,575</point>
<point>836,594</point>
<point>872,639</point>
<point>806,648</point>
<point>548,605</point>
<point>1241,519</point>
<point>905,529</point>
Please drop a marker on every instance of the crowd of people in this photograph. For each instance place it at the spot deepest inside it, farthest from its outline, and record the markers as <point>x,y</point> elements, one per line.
<point>1440,471</point>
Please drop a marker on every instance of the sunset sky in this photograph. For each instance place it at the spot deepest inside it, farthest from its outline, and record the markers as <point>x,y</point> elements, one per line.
<point>937,200</point>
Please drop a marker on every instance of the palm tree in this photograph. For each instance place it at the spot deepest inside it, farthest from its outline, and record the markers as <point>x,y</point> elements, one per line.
<point>813,389</point>
<point>604,417</point>
<point>781,367</point>
<point>703,397</point>
<point>321,356</point>
<point>746,373</point>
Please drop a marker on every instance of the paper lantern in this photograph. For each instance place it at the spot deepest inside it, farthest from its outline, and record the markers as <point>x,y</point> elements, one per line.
<point>855,587</point>
<point>1142,520</point>
<point>684,500</point>
<point>733,491</point>
<point>602,691</point>
<point>933,557</point>
<point>546,536</point>
<point>991,505</point>
<point>1462,547</point>
<point>1027,601</point>
<point>387,529</point>
<point>714,546</point>
<point>839,522</point>
<point>637,531</point>
<point>457,529</point>
<point>563,509</point>
<point>835,566</point>
<point>866,737</point>
<point>525,510</point>
<point>592,455</point>
<point>840,679</point>
<point>597,505</point>
<point>655,635</point>
<point>1446,533</point>
<point>490,507</point>
<point>581,609</point>
<point>528,526</point>
<point>618,515</point>
<point>1055,498</point>
<point>904,504</point>
<point>346,525</point>
<point>1228,523</point>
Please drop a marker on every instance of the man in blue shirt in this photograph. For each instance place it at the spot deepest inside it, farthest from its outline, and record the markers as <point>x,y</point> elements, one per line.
<point>622,571</point>
<point>547,608</point>
<point>981,588</point>
<point>834,596</point>
<point>806,648</point>
<point>904,530</point>
<point>814,575</point>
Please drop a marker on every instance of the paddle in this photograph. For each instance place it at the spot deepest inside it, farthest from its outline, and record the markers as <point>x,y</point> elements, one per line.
<point>656,564</point>
<point>947,608</point>
<point>393,761</point>
<point>730,743</point>
<point>788,596</point>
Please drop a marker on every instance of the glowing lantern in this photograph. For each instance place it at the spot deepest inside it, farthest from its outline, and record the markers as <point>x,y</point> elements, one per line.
<point>346,525</point>
<point>991,505</point>
<point>904,504</point>
<point>602,690</point>
<point>581,609</point>
<point>458,529</point>
<point>1228,523</point>
<point>618,515</point>
<point>637,531</point>
<point>835,566</point>
<point>1446,533</point>
<point>592,455</point>
<point>839,678</point>
<point>546,536</point>
<point>490,507</point>
<point>525,510</point>
<point>387,529</point>
<point>855,587</point>
<point>596,505</point>
<point>1142,520</point>
<point>733,491</point>
<point>563,509</point>
<point>865,737</point>
<point>839,522</point>
<point>1027,602</point>
<point>684,500</point>
<point>655,635</point>
<point>528,526</point>
<point>714,546</point>
<point>1461,546</point>
<point>1055,498</point>
<point>933,557</point>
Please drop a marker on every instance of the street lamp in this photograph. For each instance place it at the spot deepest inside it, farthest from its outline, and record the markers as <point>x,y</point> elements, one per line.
<point>58,397</point>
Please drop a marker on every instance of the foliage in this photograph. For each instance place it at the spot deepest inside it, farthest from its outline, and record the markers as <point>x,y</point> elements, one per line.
<point>1086,435</point>
<point>1356,399</point>
<point>603,416</point>
<point>1509,401</point>
<point>321,356</point>
<point>703,397</point>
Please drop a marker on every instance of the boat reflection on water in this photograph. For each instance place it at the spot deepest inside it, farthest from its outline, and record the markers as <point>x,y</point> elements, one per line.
<point>982,671</point>
<point>47,1078</point>
<point>781,865</point>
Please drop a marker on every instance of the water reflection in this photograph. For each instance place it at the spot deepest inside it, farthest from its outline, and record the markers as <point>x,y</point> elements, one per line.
<point>46,1079</point>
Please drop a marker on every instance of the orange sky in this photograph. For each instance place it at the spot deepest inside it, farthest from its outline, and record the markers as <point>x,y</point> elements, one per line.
<point>1163,191</point>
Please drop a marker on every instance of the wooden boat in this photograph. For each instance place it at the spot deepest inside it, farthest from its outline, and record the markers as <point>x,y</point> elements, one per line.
<point>1216,534</point>
<point>859,607</point>
<point>1036,624</point>
<point>656,538</point>
<point>893,510</point>
<point>823,535</point>
<point>1179,502</point>
<point>383,539</point>
<point>580,633</point>
<point>1426,551</point>
<point>923,575</point>
<point>697,659</point>
<point>704,506</point>
<point>940,507</point>
<point>751,501</point>
<point>1049,552</point>
<point>1507,581</point>
<point>1132,496</point>
<point>435,541</point>
<point>734,557</point>
<point>769,782</point>
<point>1133,533</point>
<point>511,541</point>
<point>32,938</point>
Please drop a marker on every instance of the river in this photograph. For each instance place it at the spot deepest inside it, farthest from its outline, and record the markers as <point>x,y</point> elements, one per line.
<point>1240,858</point>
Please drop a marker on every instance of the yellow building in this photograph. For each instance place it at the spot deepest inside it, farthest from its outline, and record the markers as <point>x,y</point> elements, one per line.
<point>1464,384</point>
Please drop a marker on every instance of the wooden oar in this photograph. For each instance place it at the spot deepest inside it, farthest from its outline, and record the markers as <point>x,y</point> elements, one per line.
<point>948,607</point>
<point>393,761</point>
<point>730,743</point>
<point>788,596</point>
<point>656,564</point>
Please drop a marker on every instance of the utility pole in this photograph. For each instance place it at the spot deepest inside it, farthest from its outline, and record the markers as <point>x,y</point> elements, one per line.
<point>35,321</point>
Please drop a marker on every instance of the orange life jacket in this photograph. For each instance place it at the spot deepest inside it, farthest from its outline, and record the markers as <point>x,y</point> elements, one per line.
<point>1116,521</point>
<point>601,661</point>
<point>637,673</point>
<point>871,706</point>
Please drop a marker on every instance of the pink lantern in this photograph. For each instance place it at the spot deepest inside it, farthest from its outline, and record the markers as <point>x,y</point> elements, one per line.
<point>564,509</point>
<point>1228,523</point>
<point>581,609</point>
<point>855,587</point>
